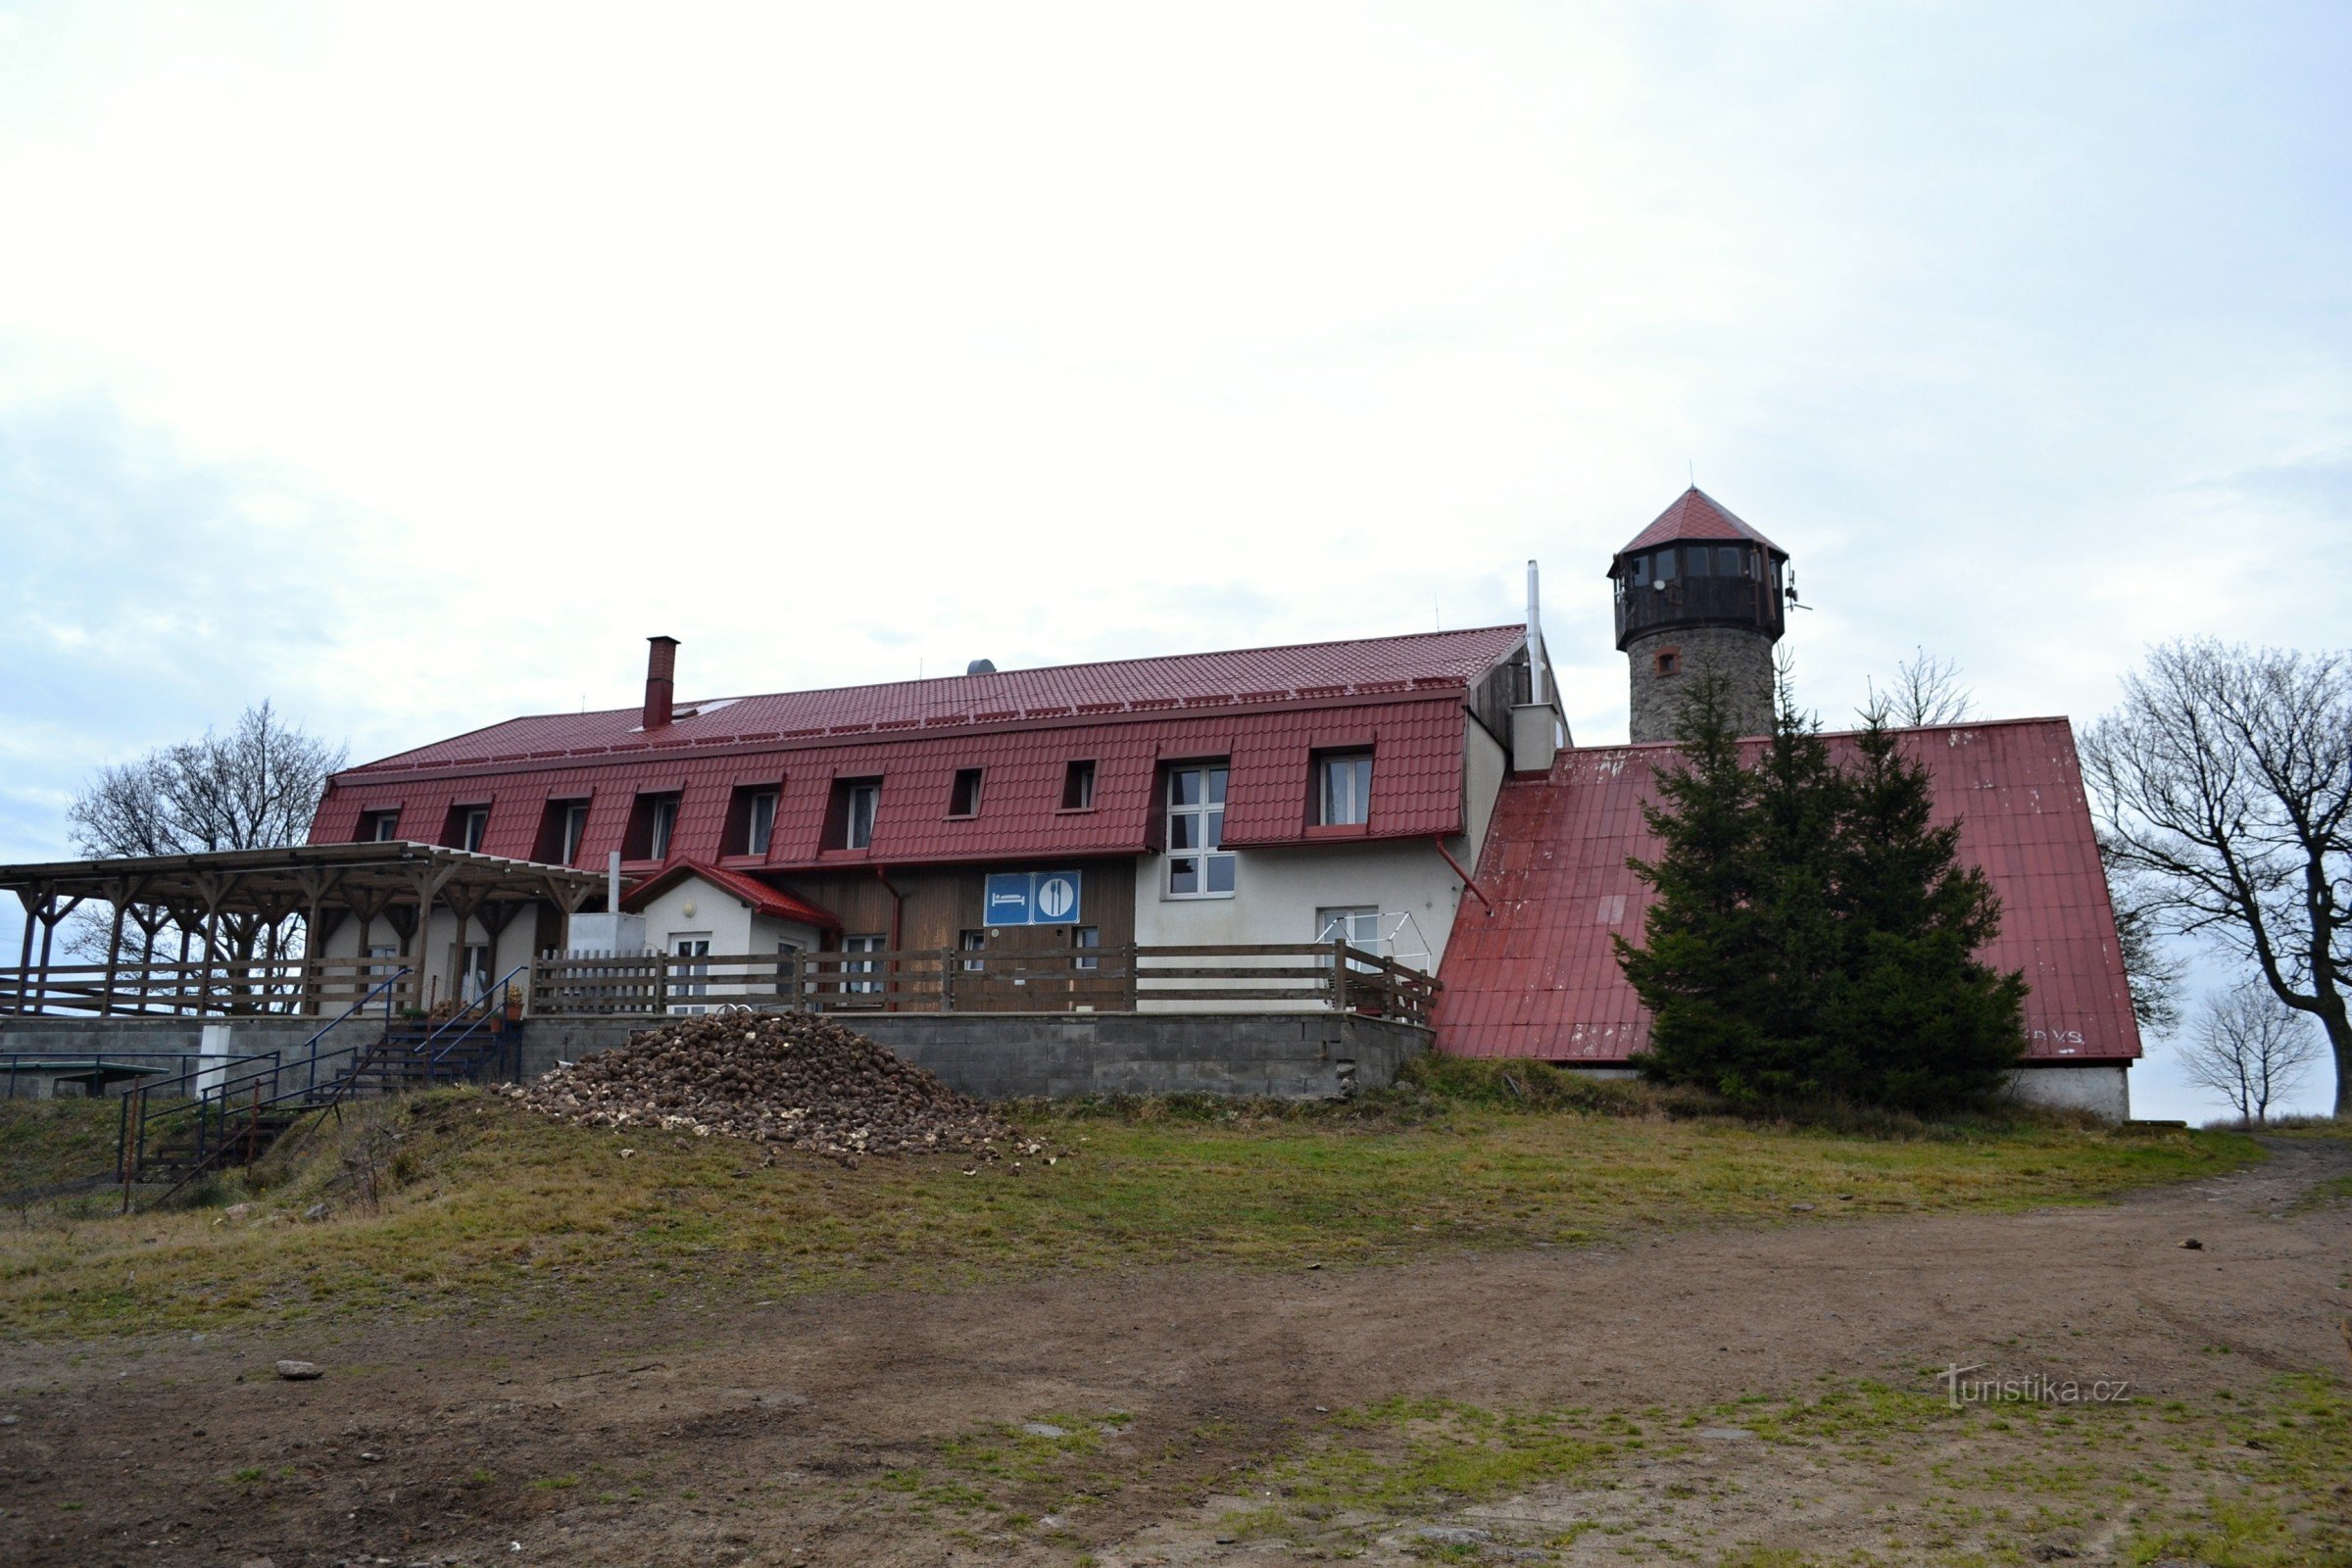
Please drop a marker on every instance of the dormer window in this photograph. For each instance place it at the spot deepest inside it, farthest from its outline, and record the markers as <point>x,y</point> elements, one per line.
<point>379,827</point>
<point>468,827</point>
<point>1078,786</point>
<point>653,824</point>
<point>750,820</point>
<point>849,824</point>
<point>1344,788</point>
<point>963,796</point>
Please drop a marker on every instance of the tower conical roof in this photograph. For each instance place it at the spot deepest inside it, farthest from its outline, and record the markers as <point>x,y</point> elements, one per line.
<point>1695,514</point>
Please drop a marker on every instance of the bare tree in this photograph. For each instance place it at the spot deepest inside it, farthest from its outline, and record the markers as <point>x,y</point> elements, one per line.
<point>2250,1050</point>
<point>2224,783</point>
<point>1925,690</point>
<point>254,788</point>
<point>2154,975</point>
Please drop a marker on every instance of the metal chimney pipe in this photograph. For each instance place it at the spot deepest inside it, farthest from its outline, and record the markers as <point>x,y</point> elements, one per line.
<point>1535,641</point>
<point>613,886</point>
<point>660,669</point>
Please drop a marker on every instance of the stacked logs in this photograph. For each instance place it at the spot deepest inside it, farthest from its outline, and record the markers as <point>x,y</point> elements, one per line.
<point>794,1079</point>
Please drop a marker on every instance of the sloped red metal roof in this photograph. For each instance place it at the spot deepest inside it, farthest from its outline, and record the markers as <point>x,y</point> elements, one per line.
<point>1536,977</point>
<point>763,899</point>
<point>1416,740</point>
<point>1248,676</point>
<point>1695,514</point>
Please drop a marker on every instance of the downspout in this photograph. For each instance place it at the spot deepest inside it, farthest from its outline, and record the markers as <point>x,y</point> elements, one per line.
<point>1468,881</point>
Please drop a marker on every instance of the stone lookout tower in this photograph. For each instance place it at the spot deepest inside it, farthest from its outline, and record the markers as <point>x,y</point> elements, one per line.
<point>1700,591</point>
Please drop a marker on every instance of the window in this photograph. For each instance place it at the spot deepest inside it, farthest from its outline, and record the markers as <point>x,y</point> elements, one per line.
<point>751,820</point>
<point>473,971</point>
<point>1639,575</point>
<point>964,797</point>
<point>1078,787</point>
<point>1344,788</point>
<point>379,973</point>
<point>378,827</point>
<point>1197,866</point>
<point>1665,569</point>
<point>563,828</point>
<point>849,824</point>
<point>971,942</point>
<point>1731,561</point>
<point>653,824</point>
<point>871,944</point>
<point>1358,927</point>
<point>1084,938</point>
<point>466,827</point>
<point>575,831</point>
<point>1697,562</point>
<point>1666,662</point>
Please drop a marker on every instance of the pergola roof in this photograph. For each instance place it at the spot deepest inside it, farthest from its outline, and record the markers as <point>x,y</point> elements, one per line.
<point>272,883</point>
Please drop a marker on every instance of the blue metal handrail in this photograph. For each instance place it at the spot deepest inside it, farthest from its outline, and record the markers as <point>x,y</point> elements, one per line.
<point>218,1093</point>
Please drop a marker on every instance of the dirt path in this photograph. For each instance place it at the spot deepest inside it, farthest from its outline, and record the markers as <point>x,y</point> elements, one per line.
<point>767,1433</point>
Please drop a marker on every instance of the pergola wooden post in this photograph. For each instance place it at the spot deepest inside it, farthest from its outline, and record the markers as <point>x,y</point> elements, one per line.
<point>119,894</point>
<point>31,900</point>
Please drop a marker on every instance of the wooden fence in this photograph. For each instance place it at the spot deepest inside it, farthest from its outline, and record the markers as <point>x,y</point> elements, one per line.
<point>1253,978</point>
<point>224,988</point>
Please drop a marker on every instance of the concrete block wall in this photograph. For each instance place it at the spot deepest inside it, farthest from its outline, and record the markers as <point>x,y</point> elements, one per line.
<point>1060,1054</point>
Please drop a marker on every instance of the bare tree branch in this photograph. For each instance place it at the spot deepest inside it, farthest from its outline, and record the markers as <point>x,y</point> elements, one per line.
<point>2250,1050</point>
<point>2224,785</point>
<point>1925,690</point>
<point>254,788</point>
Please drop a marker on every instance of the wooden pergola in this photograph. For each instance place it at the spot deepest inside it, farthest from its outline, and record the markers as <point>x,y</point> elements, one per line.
<point>399,884</point>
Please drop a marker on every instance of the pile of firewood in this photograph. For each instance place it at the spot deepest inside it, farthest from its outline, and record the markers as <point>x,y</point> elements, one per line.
<point>783,1078</point>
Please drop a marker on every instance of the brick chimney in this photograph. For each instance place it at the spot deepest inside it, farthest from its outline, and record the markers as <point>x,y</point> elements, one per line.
<point>660,665</point>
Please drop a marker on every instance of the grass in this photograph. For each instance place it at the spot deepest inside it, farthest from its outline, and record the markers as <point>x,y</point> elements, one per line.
<point>2250,1480</point>
<point>43,1141</point>
<point>460,1201</point>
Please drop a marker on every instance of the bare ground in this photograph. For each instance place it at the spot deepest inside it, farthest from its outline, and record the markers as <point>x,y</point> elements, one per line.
<point>829,1429</point>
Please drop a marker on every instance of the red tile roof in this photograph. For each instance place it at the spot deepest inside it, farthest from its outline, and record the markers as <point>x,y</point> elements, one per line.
<point>763,899</point>
<point>1695,514</point>
<point>1306,671</point>
<point>1536,977</point>
<point>1264,709</point>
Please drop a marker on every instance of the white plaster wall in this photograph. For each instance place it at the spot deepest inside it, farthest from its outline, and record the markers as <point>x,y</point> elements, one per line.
<point>1278,891</point>
<point>2103,1089</point>
<point>722,916</point>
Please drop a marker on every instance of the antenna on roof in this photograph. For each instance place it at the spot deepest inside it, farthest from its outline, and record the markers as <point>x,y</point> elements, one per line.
<point>1693,468</point>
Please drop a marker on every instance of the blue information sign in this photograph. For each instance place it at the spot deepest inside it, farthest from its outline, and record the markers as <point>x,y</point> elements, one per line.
<point>1033,897</point>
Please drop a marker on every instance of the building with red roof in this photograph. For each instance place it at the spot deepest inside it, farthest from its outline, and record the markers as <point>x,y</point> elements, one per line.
<point>1273,795</point>
<point>1530,972</point>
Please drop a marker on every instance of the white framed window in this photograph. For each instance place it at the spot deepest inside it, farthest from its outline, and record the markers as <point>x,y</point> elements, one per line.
<point>871,944</point>
<point>1199,866</point>
<point>760,823</point>
<point>1078,785</point>
<point>476,827</point>
<point>690,978</point>
<point>661,823</point>
<point>378,827</point>
<point>972,942</point>
<point>857,804</point>
<point>384,970</point>
<point>1344,788</point>
<point>575,831</point>
<point>1358,927</point>
<point>473,971</point>
<point>1084,938</point>
<point>963,798</point>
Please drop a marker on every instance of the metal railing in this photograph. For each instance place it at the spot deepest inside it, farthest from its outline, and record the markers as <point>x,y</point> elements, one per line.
<point>1230,977</point>
<point>203,1112</point>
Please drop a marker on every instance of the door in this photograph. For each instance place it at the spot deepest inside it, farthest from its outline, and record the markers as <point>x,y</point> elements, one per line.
<point>689,978</point>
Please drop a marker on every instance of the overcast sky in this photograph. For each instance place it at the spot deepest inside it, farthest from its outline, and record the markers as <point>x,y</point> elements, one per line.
<point>409,366</point>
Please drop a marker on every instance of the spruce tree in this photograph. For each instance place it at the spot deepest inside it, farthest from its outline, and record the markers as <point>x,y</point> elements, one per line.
<point>1814,934</point>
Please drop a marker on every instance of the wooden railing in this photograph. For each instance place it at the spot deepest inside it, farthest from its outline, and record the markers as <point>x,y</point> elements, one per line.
<point>224,988</point>
<point>1251,978</point>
